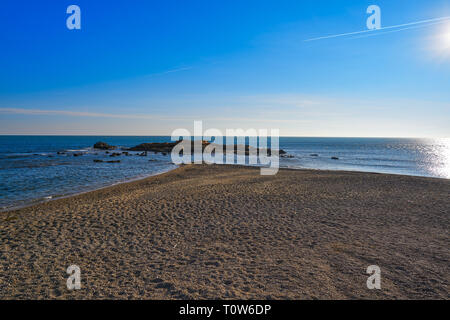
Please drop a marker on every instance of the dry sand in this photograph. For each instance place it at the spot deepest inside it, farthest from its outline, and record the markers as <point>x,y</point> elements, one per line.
<point>226,232</point>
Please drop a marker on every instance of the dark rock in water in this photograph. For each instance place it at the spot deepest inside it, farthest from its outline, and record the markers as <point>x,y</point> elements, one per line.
<point>77,154</point>
<point>113,161</point>
<point>314,155</point>
<point>115,154</point>
<point>126,153</point>
<point>103,146</point>
<point>60,152</point>
<point>281,151</point>
<point>155,147</point>
<point>143,154</point>
<point>164,154</point>
<point>289,156</point>
<point>96,160</point>
<point>335,158</point>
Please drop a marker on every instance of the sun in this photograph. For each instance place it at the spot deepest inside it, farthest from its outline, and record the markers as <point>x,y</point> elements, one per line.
<point>446,37</point>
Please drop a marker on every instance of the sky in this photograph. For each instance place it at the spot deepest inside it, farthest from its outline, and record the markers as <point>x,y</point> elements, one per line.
<point>150,67</point>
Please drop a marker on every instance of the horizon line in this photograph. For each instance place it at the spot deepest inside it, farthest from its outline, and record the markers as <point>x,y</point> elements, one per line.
<point>166,135</point>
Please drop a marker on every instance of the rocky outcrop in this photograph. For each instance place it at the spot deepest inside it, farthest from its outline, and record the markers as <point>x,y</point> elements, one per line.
<point>155,147</point>
<point>166,147</point>
<point>103,146</point>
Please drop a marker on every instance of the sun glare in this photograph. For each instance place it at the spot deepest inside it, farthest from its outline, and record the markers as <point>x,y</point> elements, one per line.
<point>442,40</point>
<point>446,37</point>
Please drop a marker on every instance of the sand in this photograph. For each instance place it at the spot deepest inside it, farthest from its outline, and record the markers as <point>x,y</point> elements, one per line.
<point>226,232</point>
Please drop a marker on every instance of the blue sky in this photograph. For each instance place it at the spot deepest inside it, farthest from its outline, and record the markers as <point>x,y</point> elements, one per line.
<point>149,67</point>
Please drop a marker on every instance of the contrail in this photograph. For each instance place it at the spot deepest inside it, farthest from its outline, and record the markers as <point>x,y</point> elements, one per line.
<point>436,20</point>
<point>396,30</point>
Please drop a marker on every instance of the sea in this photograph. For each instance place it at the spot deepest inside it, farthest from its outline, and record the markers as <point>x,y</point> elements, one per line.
<point>40,168</point>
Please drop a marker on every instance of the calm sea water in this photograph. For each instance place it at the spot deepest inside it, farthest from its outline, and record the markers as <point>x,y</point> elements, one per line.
<point>31,169</point>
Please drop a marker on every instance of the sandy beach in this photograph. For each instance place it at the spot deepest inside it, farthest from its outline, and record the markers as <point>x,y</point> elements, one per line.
<point>226,232</point>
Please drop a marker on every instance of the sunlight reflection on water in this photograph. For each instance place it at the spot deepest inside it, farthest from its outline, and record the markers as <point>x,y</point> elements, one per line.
<point>440,155</point>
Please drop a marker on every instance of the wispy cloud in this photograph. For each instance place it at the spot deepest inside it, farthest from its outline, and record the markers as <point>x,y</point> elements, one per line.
<point>169,71</point>
<point>72,113</point>
<point>191,117</point>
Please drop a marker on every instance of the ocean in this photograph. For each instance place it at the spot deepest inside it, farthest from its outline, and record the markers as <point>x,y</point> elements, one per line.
<point>40,168</point>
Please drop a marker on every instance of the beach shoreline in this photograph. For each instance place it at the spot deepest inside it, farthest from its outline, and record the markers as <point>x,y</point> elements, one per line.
<point>226,232</point>
<point>34,202</point>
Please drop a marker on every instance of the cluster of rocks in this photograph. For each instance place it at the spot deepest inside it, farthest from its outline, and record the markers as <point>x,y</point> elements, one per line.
<point>104,146</point>
<point>166,147</point>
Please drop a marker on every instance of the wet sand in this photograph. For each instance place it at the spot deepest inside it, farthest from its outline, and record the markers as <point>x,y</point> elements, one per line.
<point>226,232</point>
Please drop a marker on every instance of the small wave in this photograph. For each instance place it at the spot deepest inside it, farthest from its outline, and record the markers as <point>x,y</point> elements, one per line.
<point>29,165</point>
<point>15,155</point>
<point>385,160</point>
